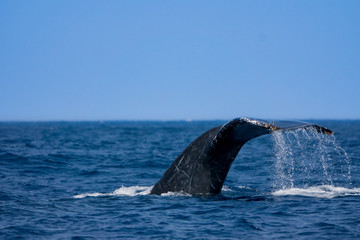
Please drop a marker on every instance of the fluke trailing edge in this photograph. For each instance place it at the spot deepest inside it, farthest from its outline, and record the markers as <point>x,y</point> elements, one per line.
<point>203,166</point>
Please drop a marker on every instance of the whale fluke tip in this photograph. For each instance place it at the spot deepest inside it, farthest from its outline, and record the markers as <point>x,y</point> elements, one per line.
<point>323,130</point>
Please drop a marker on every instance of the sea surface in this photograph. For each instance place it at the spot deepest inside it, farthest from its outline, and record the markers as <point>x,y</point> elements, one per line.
<point>91,180</point>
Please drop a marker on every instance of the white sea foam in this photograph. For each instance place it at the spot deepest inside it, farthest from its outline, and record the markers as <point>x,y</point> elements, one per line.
<point>91,195</point>
<point>226,189</point>
<point>323,191</point>
<point>123,191</point>
<point>176,194</point>
<point>131,192</point>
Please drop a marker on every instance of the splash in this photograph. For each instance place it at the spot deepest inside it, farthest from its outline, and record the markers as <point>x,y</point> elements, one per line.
<point>226,188</point>
<point>324,191</point>
<point>176,194</point>
<point>123,191</point>
<point>130,192</point>
<point>305,158</point>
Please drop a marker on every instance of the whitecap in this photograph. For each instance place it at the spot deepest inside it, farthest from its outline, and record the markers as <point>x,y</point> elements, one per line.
<point>323,191</point>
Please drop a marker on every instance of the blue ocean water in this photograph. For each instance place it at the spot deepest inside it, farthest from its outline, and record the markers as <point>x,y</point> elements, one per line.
<point>91,180</point>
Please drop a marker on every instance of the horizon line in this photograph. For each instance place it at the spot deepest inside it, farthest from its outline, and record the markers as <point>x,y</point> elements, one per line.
<point>174,120</point>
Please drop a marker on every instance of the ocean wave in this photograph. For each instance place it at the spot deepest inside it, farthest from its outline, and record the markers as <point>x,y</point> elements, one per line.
<point>323,191</point>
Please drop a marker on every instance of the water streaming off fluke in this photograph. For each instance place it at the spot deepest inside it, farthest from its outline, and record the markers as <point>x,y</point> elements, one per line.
<point>305,159</point>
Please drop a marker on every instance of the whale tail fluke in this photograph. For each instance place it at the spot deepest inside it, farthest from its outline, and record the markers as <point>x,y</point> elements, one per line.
<point>203,166</point>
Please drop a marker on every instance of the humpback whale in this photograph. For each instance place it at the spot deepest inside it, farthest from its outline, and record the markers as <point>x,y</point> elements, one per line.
<point>202,167</point>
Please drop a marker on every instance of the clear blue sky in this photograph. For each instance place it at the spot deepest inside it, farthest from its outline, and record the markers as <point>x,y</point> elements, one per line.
<point>167,60</point>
